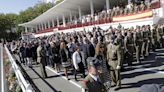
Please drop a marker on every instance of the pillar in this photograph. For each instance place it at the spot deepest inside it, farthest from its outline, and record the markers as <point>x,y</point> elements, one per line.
<point>107,5</point>
<point>53,24</point>
<point>26,29</point>
<point>91,7</point>
<point>64,24</point>
<point>42,26</point>
<point>70,16</point>
<point>49,26</point>
<point>79,8</point>
<point>45,26</point>
<point>58,21</point>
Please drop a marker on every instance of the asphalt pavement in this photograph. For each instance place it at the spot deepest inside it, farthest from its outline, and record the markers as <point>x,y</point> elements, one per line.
<point>150,71</point>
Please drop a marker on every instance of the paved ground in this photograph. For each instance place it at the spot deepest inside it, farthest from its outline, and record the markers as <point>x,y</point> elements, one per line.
<point>149,72</point>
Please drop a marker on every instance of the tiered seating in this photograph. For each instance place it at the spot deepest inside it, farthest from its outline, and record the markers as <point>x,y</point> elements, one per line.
<point>140,14</point>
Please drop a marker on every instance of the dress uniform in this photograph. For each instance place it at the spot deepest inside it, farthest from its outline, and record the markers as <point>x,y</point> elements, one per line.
<point>138,40</point>
<point>41,56</point>
<point>129,48</point>
<point>114,61</point>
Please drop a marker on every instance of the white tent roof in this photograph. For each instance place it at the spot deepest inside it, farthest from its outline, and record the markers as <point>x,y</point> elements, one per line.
<point>64,8</point>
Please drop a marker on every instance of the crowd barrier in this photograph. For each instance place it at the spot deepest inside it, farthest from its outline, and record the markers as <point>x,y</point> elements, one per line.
<point>3,80</point>
<point>25,86</point>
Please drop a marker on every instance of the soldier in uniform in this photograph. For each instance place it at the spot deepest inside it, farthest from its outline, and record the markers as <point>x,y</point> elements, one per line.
<point>120,42</point>
<point>41,56</point>
<point>114,61</point>
<point>154,38</point>
<point>93,81</point>
<point>145,45</point>
<point>138,40</point>
<point>159,36</point>
<point>129,48</point>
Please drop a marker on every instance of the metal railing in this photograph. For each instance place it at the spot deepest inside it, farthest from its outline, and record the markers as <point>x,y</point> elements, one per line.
<point>25,86</point>
<point>3,80</point>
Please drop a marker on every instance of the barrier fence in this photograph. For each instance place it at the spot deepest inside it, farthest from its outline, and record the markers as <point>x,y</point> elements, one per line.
<point>25,86</point>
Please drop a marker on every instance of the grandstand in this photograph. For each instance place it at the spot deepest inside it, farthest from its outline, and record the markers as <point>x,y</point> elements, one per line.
<point>71,15</point>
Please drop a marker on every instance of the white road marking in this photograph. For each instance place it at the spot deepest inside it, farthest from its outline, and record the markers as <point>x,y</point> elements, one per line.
<point>74,83</point>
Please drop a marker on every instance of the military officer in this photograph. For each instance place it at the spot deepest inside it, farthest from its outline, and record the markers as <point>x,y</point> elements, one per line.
<point>114,61</point>
<point>41,56</point>
<point>93,81</point>
<point>138,40</point>
<point>129,48</point>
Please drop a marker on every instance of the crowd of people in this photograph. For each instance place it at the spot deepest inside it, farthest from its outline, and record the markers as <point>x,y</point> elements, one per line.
<point>107,15</point>
<point>99,54</point>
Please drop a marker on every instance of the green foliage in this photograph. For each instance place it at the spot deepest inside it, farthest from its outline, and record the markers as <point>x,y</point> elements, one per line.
<point>9,21</point>
<point>18,89</point>
<point>58,1</point>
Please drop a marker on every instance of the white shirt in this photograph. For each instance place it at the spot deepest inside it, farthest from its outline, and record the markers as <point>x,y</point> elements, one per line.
<point>94,77</point>
<point>77,59</point>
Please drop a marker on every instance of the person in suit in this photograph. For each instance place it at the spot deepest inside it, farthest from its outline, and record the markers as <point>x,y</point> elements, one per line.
<point>91,49</point>
<point>34,52</point>
<point>55,56</point>
<point>22,52</point>
<point>29,55</point>
<point>114,61</point>
<point>93,81</point>
<point>41,58</point>
<point>78,62</point>
<point>65,58</point>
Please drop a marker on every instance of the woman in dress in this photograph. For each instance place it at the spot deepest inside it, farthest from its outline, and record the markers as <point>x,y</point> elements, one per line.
<point>65,57</point>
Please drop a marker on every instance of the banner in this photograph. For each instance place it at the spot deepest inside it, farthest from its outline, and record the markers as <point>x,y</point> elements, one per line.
<point>134,16</point>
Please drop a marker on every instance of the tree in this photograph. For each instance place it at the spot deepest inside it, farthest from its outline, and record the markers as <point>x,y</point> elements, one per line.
<point>10,21</point>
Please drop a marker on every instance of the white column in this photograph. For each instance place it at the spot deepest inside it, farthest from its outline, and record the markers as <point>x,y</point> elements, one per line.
<point>45,26</point>
<point>42,26</point>
<point>31,29</point>
<point>107,5</point>
<point>64,24</point>
<point>53,24</point>
<point>49,24</point>
<point>70,16</point>
<point>79,8</point>
<point>91,7</point>
<point>57,21</point>
<point>26,29</point>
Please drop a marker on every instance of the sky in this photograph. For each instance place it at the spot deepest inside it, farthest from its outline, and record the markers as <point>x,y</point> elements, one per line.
<point>15,6</point>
